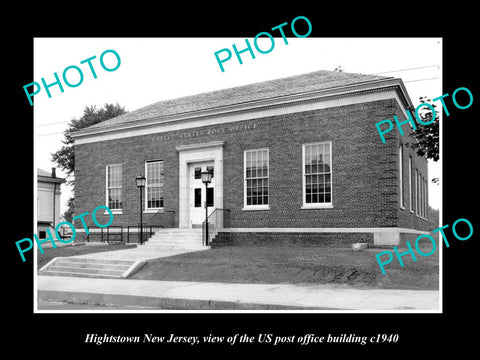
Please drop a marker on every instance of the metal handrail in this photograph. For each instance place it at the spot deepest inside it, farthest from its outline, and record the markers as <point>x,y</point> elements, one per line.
<point>114,233</point>
<point>147,231</point>
<point>92,233</point>
<point>218,219</point>
<point>107,235</point>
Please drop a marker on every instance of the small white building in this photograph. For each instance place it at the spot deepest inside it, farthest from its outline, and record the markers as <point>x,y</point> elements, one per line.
<point>48,201</point>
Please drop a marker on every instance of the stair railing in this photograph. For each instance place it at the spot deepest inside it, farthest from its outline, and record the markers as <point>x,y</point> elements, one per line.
<point>217,220</point>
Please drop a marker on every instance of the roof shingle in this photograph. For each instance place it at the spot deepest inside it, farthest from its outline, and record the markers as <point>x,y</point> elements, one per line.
<point>319,80</point>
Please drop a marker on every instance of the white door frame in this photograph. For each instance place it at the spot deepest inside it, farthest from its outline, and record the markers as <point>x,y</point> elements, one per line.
<point>197,214</point>
<point>187,154</point>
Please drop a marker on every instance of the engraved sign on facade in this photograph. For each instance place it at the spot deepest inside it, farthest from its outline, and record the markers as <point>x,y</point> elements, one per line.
<point>194,133</point>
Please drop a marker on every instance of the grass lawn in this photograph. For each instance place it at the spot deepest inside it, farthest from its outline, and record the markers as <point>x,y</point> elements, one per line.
<point>278,264</point>
<point>293,265</point>
<point>50,253</point>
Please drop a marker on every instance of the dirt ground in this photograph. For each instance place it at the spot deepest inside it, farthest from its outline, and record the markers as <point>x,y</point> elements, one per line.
<point>255,264</point>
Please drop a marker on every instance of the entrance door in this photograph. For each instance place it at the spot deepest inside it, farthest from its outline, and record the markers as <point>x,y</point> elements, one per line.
<point>198,195</point>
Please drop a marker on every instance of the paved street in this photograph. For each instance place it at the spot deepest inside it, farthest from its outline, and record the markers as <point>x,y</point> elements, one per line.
<point>62,305</point>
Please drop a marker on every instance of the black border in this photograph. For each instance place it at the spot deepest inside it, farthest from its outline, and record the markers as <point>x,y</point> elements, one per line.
<point>429,333</point>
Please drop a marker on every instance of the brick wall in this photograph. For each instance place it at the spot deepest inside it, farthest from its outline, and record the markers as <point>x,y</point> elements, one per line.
<point>406,217</point>
<point>365,171</point>
<point>287,239</point>
<point>361,182</point>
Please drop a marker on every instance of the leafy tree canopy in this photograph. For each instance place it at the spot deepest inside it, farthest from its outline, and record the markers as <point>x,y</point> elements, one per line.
<point>427,136</point>
<point>65,157</point>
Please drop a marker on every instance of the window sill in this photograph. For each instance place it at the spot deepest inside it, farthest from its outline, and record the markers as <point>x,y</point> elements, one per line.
<point>114,212</point>
<point>258,207</point>
<point>153,211</point>
<point>316,206</point>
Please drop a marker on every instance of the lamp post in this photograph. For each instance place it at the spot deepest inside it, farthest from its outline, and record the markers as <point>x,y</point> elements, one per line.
<point>206,179</point>
<point>140,182</point>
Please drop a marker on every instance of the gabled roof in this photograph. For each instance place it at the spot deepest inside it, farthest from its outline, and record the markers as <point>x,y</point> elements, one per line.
<point>298,84</point>
<point>41,172</point>
<point>45,176</point>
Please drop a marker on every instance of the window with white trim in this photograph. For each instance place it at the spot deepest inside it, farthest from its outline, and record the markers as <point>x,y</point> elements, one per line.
<point>114,186</point>
<point>422,197</point>
<point>420,189</point>
<point>154,184</point>
<point>400,170</point>
<point>426,198</point>
<point>317,174</point>
<point>417,192</point>
<point>256,178</point>
<point>410,182</point>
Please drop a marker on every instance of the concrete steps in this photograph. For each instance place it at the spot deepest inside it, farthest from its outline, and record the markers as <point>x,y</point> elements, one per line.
<point>84,267</point>
<point>177,239</point>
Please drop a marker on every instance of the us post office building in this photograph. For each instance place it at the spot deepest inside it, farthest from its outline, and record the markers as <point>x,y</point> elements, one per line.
<point>296,160</point>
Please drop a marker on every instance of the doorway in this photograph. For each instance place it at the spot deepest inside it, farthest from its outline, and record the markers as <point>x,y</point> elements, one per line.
<point>198,194</point>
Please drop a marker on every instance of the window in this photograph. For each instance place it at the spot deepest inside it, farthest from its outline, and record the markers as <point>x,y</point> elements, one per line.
<point>410,182</point>
<point>114,187</point>
<point>210,196</point>
<point>154,186</point>
<point>420,196</point>
<point>416,191</point>
<point>256,178</point>
<point>424,196</point>
<point>422,187</point>
<point>317,175</point>
<point>197,173</point>
<point>426,199</point>
<point>400,170</point>
<point>198,197</point>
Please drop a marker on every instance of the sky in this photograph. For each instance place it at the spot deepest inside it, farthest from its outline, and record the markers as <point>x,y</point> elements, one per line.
<point>155,69</point>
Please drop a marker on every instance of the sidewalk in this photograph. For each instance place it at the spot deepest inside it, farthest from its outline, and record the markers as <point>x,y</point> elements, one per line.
<point>178,295</point>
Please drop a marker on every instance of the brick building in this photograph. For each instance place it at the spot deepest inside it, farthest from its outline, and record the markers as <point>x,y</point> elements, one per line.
<point>293,159</point>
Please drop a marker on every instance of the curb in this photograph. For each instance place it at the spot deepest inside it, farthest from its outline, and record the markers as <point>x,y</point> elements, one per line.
<point>161,303</point>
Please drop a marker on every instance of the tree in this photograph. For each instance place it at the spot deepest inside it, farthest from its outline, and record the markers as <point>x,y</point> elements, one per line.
<point>433,217</point>
<point>427,136</point>
<point>68,214</point>
<point>65,157</point>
